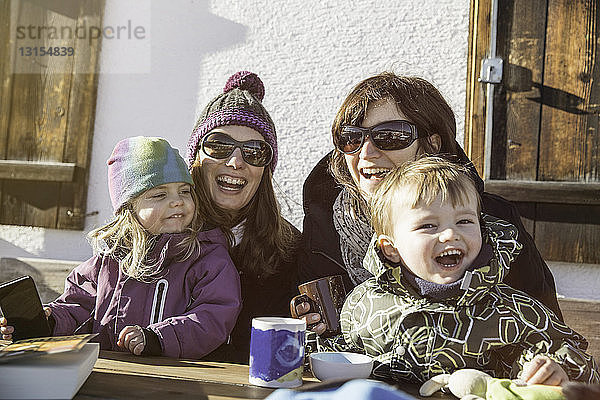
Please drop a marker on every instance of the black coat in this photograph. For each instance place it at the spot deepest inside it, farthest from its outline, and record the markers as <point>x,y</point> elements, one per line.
<point>320,254</point>
<point>261,297</point>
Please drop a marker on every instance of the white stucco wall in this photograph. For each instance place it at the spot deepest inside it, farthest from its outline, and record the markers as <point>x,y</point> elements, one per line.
<point>308,53</point>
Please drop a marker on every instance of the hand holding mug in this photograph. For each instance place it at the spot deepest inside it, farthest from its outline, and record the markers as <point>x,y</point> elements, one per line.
<point>312,319</point>
<point>319,304</point>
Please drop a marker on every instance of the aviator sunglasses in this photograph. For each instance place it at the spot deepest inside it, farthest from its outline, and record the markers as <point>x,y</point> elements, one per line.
<point>220,145</point>
<point>389,135</point>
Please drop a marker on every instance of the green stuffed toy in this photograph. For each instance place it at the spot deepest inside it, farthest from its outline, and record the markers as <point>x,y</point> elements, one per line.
<point>471,384</point>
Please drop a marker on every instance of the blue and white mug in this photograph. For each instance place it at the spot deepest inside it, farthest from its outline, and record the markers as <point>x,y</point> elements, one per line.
<point>277,352</point>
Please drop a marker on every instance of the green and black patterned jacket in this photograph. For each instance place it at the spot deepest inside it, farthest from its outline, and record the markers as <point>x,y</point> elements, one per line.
<point>490,326</point>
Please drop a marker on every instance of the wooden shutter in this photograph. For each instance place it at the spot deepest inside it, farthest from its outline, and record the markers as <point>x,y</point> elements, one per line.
<point>545,141</point>
<point>47,108</point>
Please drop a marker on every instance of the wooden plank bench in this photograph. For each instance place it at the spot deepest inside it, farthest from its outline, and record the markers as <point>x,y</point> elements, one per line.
<point>49,275</point>
<point>583,316</point>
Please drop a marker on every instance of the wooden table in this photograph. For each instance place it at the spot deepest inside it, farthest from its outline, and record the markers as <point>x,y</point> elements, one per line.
<point>119,375</point>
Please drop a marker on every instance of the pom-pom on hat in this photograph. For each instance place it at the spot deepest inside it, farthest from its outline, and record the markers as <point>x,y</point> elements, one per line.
<point>141,163</point>
<point>239,104</point>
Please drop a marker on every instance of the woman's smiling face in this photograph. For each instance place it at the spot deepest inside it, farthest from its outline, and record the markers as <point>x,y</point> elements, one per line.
<point>231,181</point>
<point>369,165</point>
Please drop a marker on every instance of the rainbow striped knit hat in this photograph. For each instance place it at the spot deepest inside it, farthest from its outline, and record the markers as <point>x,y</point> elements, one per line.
<point>239,104</point>
<point>141,163</point>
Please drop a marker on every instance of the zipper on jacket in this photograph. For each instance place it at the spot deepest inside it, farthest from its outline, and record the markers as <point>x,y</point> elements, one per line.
<point>329,258</point>
<point>83,324</point>
<point>158,304</point>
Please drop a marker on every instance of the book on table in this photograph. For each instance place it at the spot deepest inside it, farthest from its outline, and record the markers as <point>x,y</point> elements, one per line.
<point>46,368</point>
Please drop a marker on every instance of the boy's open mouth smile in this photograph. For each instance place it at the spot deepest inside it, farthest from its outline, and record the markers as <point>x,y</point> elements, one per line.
<point>450,258</point>
<point>230,183</point>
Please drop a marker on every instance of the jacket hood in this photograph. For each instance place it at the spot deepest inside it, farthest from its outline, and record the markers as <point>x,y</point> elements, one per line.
<point>501,235</point>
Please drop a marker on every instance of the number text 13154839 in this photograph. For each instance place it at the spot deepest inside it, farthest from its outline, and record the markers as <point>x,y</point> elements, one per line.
<point>46,51</point>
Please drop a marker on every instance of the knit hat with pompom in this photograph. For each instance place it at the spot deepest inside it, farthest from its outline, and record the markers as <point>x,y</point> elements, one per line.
<point>239,104</point>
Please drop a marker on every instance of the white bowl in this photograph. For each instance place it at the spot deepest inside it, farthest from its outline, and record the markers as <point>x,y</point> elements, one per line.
<point>336,365</point>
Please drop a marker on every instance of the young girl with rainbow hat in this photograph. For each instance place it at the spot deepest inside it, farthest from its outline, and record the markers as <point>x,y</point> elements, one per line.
<point>156,284</point>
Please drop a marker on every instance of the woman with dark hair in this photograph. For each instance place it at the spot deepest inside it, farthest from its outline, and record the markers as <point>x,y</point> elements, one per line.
<point>386,120</point>
<point>232,153</point>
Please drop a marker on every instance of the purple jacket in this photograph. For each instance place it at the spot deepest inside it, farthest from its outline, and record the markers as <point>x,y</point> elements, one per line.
<point>192,307</point>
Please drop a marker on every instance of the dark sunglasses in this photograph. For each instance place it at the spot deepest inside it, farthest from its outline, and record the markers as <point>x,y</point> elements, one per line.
<point>220,145</point>
<point>389,135</point>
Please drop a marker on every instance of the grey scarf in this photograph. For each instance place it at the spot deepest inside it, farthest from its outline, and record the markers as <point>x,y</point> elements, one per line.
<point>355,232</point>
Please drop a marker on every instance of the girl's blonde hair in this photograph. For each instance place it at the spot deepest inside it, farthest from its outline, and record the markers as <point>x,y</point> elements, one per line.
<point>417,183</point>
<point>126,240</point>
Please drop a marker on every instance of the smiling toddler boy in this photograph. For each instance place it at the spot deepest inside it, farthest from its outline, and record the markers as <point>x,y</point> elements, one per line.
<point>437,303</point>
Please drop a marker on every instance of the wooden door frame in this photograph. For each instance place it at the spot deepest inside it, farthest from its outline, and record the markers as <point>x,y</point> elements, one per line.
<point>479,44</point>
<point>475,124</point>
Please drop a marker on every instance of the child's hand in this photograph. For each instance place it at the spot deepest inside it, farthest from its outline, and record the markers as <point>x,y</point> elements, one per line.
<point>7,330</point>
<point>133,339</point>
<point>545,371</point>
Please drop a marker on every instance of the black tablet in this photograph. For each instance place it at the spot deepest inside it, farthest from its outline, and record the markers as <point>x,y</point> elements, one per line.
<point>21,306</point>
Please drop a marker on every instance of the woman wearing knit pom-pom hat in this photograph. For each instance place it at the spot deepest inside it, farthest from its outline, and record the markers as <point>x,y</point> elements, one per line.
<point>232,153</point>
